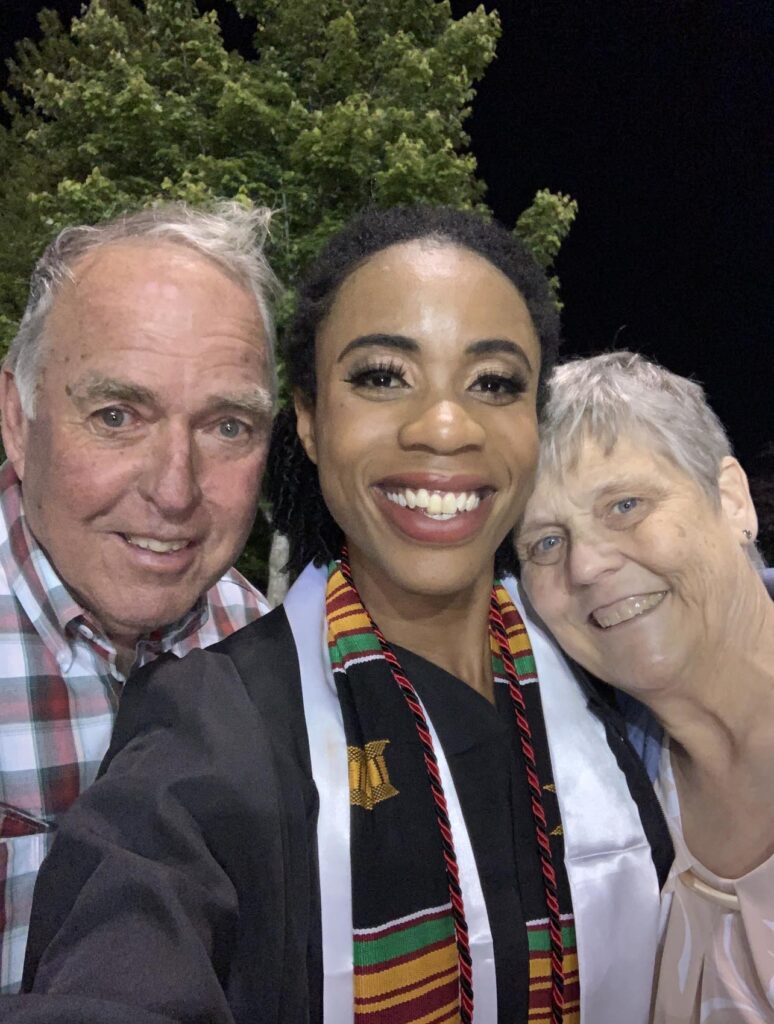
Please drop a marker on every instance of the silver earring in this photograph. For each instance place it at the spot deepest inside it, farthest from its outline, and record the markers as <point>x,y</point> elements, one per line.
<point>748,534</point>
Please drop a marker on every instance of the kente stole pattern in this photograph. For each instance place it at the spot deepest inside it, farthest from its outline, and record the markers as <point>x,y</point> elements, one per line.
<point>406,968</point>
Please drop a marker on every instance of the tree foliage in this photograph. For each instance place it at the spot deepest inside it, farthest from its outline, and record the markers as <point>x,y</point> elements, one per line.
<point>344,103</point>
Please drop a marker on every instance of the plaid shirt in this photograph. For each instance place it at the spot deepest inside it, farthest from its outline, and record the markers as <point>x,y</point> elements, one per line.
<point>59,689</point>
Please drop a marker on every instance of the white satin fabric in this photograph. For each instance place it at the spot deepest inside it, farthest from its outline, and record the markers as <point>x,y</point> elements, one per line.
<point>613,881</point>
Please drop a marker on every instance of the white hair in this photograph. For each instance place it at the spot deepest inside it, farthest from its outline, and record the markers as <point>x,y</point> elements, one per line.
<point>617,394</point>
<point>231,235</point>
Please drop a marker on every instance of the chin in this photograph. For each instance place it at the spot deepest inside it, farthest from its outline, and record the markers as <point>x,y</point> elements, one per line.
<point>434,577</point>
<point>642,681</point>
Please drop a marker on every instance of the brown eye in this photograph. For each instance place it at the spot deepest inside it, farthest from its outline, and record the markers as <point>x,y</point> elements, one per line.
<point>380,376</point>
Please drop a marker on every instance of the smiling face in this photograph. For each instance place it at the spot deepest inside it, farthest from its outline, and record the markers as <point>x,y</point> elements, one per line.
<point>424,429</point>
<point>140,471</point>
<point>632,566</point>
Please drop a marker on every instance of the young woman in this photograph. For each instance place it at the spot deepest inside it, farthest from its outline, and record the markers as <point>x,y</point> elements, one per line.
<point>387,801</point>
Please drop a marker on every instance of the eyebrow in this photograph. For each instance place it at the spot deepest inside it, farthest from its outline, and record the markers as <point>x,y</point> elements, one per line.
<point>98,388</point>
<point>499,346</point>
<point>528,525</point>
<point>399,342</point>
<point>396,341</point>
<point>257,402</point>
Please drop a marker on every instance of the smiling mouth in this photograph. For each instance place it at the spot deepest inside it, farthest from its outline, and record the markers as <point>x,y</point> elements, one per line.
<point>629,608</point>
<point>159,547</point>
<point>438,505</point>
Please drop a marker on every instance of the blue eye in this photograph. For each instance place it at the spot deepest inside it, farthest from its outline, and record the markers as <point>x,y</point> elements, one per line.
<point>626,505</point>
<point>547,550</point>
<point>231,428</point>
<point>548,543</point>
<point>112,417</point>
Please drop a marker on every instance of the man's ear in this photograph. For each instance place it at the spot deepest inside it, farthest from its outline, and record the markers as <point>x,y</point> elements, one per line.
<point>15,425</point>
<point>735,501</point>
<point>305,424</point>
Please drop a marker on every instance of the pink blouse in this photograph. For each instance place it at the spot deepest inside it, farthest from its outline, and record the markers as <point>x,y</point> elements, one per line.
<point>716,960</point>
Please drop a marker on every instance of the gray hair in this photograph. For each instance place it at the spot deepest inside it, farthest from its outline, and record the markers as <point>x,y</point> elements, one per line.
<point>622,393</point>
<point>231,235</point>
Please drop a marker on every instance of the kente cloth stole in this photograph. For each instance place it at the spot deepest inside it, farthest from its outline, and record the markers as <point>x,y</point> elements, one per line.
<point>406,965</point>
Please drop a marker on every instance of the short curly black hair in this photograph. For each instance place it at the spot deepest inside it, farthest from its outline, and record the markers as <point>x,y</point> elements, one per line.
<point>293,487</point>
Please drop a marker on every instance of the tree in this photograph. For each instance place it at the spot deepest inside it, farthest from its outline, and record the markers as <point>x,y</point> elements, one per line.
<point>346,102</point>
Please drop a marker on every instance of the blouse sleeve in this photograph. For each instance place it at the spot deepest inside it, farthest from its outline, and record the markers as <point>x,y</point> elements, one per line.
<point>138,903</point>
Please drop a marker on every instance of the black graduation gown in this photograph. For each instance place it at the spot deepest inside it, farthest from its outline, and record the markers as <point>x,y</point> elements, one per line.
<point>183,885</point>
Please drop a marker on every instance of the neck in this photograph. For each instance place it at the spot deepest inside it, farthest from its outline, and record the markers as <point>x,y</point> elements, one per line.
<point>451,630</point>
<point>126,652</point>
<point>722,712</point>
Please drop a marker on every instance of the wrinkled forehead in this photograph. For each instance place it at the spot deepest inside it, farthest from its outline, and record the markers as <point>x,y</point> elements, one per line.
<point>151,285</point>
<point>586,465</point>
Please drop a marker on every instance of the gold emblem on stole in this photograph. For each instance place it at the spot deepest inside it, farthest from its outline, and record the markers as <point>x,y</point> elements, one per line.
<point>369,780</point>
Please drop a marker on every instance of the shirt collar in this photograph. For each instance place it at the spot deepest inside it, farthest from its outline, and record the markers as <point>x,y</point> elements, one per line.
<point>54,612</point>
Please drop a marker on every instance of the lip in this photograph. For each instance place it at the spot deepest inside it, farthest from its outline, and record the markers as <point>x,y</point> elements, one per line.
<point>169,562</point>
<point>435,482</point>
<point>421,528</point>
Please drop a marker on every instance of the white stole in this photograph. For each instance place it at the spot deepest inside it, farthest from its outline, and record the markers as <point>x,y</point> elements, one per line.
<point>612,877</point>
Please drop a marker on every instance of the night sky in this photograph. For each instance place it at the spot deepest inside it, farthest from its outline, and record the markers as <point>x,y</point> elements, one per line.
<point>655,116</point>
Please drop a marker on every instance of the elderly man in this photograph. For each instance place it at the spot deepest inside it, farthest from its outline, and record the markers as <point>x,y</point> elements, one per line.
<point>136,406</point>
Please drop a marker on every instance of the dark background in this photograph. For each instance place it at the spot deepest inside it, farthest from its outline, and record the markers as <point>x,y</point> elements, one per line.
<point>656,117</point>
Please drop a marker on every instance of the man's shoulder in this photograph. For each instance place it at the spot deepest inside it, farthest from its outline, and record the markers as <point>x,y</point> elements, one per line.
<point>234,590</point>
<point>228,606</point>
<point>270,629</point>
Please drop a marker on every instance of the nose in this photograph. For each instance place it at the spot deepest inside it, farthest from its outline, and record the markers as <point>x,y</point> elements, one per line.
<point>169,478</point>
<point>443,426</point>
<point>589,559</point>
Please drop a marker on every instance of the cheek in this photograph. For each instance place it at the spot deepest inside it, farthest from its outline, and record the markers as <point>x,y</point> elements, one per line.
<point>519,449</point>
<point>75,479</point>
<point>348,438</point>
<point>231,488</point>
<point>544,593</point>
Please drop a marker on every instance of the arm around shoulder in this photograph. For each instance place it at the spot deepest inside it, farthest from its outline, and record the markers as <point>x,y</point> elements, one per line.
<point>138,903</point>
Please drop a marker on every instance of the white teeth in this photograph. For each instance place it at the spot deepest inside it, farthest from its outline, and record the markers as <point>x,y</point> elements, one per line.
<point>159,546</point>
<point>627,609</point>
<point>436,504</point>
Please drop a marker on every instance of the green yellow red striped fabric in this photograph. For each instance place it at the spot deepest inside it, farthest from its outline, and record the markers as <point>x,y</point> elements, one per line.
<point>406,967</point>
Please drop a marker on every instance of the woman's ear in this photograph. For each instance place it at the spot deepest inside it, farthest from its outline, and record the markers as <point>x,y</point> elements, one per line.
<point>735,501</point>
<point>305,424</point>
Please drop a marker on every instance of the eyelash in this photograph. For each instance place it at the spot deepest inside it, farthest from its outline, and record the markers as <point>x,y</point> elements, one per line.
<point>511,385</point>
<point>359,376</point>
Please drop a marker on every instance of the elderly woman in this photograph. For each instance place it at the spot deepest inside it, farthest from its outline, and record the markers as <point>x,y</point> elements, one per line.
<point>387,802</point>
<point>638,551</point>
